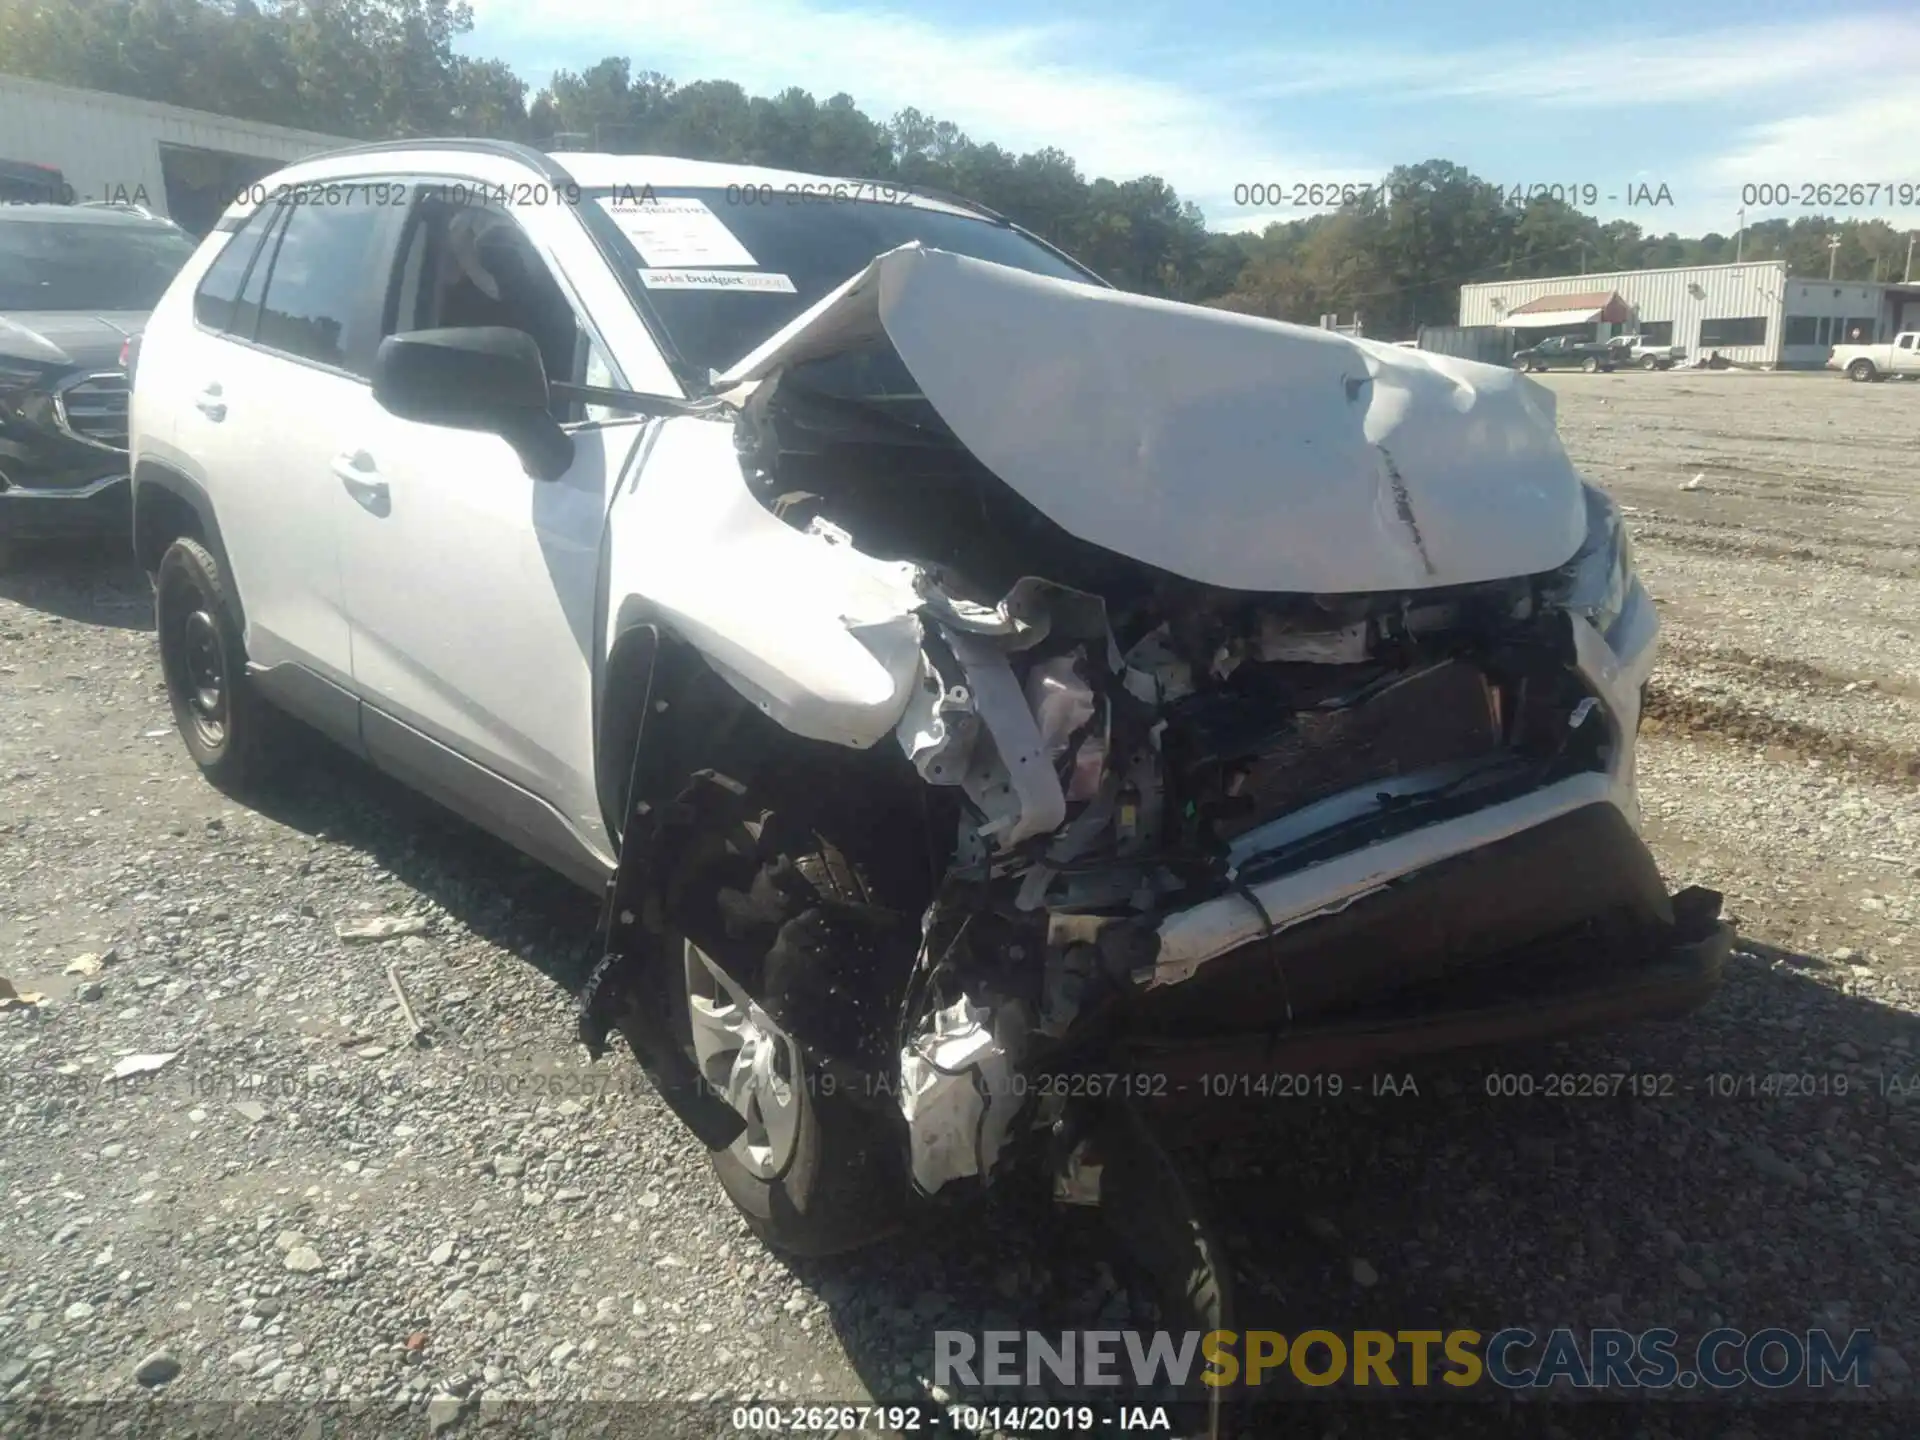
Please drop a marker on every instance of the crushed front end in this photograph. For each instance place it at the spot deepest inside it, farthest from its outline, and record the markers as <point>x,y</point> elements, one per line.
<point>1269,704</point>
<point>1201,828</point>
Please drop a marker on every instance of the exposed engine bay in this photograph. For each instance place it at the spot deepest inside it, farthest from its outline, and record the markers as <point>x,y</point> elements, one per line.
<point>1125,742</point>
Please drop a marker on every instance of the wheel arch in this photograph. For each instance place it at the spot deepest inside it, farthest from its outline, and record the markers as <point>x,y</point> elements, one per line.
<point>663,711</point>
<point>166,506</point>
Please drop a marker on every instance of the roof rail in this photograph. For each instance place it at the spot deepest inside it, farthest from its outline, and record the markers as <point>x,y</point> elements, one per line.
<point>549,168</point>
<point>127,205</point>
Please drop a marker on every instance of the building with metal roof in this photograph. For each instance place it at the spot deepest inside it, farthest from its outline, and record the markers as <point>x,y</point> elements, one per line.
<point>88,146</point>
<point>1751,313</point>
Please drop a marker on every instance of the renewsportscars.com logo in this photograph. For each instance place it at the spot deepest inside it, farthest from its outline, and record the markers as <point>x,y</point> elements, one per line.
<point>1513,1358</point>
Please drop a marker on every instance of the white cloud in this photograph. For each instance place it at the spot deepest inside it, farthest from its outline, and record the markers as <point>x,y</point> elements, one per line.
<point>1023,88</point>
<point>1621,71</point>
<point>1862,137</point>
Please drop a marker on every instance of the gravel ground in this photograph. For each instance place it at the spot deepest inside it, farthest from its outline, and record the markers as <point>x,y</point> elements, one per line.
<point>301,1204</point>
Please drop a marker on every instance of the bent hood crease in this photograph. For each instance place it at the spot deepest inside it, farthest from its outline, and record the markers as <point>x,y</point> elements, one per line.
<point>1236,451</point>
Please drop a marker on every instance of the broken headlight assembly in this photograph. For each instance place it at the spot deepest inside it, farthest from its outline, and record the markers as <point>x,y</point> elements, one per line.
<point>1596,581</point>
<point>24,397</point>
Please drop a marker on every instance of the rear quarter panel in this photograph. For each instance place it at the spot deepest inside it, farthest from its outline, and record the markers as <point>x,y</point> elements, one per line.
<point>164,375</point>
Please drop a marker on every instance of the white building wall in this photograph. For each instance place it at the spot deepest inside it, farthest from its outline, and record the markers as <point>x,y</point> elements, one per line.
<point>1685,296</point>
<point>108,146</point>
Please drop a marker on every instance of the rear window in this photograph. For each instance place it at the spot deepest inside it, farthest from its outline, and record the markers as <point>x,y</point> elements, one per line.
<point>721,270</point>
<point>213,302</point>
<point>74,265</point>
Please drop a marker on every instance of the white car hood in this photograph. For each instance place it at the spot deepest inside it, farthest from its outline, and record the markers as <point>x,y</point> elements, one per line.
<point>1236,451</point>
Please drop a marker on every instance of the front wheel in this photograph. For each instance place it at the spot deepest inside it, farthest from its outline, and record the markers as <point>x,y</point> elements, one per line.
<point>1590,365</point>
<point>811,1173</point>
<point>231,733</point>
<point>1860,370</point>
<point>816,1170</point>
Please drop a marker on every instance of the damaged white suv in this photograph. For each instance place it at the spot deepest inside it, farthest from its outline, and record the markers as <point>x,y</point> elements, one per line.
<point>978,693</point>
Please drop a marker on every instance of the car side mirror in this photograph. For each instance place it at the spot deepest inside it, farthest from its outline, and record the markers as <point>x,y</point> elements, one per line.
<point>480,377</point>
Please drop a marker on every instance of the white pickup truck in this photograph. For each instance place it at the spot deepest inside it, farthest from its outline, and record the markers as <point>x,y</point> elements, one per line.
<point>1641,353</point>
<point>1877,362</point>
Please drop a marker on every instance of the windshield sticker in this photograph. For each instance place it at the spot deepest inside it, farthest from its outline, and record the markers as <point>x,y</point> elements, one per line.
<point>677,232</point>
<point>716,280</point>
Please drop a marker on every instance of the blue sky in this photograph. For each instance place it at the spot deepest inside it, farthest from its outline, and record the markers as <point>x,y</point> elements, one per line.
<point>1214,94</point>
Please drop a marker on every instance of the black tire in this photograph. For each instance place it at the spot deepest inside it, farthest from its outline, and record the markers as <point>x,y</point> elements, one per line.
<point>843,1186</point>
<point>232,734</point>
<point>1649,362</point>
<point>1591,365</point>
<point>1861,370</point>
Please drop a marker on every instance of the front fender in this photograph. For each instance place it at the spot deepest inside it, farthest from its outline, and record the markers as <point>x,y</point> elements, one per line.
<point>820,637</point>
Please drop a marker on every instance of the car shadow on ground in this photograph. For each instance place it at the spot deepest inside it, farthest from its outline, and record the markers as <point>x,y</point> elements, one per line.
<point>1653,1177</point>
<point>498,894</point>
<point>93,581</point>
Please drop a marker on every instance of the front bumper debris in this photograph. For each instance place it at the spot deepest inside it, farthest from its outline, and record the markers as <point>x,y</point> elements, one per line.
<point>1506,1006</point>
<point>32,512</point>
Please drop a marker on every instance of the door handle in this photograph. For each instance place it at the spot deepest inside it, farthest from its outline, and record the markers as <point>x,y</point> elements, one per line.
<point>209,403</point>
<point>358,473</point>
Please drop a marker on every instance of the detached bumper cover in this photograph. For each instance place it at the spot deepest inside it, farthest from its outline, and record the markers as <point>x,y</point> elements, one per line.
<point>1561,927</point>
<point>1678,982</point>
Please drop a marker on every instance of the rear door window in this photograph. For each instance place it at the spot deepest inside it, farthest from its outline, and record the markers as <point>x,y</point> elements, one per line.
<point>327,279</point>
<point>246,310</point>
<point>213,302</point>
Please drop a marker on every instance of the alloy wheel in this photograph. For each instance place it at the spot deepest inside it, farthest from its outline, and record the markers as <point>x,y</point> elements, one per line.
<point>750,1060</point>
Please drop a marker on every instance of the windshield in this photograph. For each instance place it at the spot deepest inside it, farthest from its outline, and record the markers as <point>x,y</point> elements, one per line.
<point>721,270</point>
<point>73,265</point>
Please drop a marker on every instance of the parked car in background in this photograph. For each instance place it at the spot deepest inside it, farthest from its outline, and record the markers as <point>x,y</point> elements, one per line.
<point>76,285</point>
<point>922,743</point>
<point>1635,351</point>
<point>1561,352</point>
<point>27,182</point>
<point>1899,356</point>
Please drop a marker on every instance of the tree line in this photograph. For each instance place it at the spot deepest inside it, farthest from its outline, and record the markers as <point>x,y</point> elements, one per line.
<point>379,69</point>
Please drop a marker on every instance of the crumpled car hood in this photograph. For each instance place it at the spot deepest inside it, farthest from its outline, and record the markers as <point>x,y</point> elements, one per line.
<point>1236,451</point>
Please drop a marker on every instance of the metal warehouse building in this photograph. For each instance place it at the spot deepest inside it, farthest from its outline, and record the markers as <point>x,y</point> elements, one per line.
<point>185,164</point>
<point>1752,313</point>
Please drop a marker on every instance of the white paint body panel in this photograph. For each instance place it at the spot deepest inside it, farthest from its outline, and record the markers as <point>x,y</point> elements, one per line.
<point>819,636</point>
<point>1233,450</point>
<point>277,504</point>
<point>471,595</point>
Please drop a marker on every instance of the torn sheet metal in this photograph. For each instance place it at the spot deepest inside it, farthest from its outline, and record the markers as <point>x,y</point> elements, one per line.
<point>1233,450</point>
<point>958,1091</point>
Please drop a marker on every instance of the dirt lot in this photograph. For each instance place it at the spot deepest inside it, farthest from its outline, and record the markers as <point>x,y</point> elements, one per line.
<point>299,1205</point>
